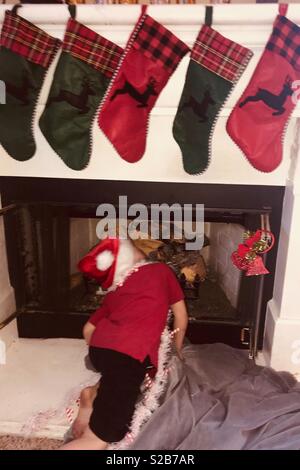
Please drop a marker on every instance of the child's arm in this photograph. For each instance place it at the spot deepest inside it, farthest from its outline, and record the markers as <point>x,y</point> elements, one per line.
<point>88,330</point>
<point>94,319</point>
<point>180,324</point>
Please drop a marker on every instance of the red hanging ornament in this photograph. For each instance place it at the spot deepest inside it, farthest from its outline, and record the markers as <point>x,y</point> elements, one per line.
<point>246,257</point>
<point>256,267</point>
<point>253,239</point>
<point>239,262</point>
<point>243,250</point>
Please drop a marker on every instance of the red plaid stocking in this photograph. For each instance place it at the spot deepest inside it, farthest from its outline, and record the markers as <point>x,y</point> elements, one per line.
<point>25,55</point>
<point>152,54</point>
<point>258,121</point>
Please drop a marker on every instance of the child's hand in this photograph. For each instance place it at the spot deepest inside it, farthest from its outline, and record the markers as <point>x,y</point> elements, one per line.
<point>88,331</point>
<point>180,325</point>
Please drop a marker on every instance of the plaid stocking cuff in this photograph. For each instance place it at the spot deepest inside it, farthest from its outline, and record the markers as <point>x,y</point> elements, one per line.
<point>26,39</point>
<point>90,47</point>
<point>220,55</point>
<point>160,44</point>
<point>285,41</point>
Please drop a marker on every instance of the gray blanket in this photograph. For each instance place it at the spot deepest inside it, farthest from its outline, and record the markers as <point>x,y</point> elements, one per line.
<point>219,399</point>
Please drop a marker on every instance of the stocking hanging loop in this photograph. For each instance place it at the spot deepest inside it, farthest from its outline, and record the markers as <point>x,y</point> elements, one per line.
<point>144,9</point>
<point>72,10</point>
<point>208,15</point>
<point>283,8</point>
<point>15,8</point>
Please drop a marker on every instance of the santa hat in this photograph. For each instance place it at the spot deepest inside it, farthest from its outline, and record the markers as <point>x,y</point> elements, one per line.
<point>108,261</point>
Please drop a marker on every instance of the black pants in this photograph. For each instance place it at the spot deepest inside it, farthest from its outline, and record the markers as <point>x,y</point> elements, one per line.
<point>114,405</point>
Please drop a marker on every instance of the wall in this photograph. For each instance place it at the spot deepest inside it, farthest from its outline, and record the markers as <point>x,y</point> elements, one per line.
<point>248,24</point>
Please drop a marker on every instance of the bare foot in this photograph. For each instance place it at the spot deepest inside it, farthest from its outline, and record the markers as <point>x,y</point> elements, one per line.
<point>87,397</point>
<point>88,441</point>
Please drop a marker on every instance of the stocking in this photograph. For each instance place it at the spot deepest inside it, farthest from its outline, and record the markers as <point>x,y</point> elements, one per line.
<point>258,121</point>
<point>215,66</point>
<point>25,55</point>
<point>151,56</point>
<point>81,78</point>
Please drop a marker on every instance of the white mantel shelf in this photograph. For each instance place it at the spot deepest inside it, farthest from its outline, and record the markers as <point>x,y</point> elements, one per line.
<point>189,15</point>
<point>249,25</point>
<point>252,23</point>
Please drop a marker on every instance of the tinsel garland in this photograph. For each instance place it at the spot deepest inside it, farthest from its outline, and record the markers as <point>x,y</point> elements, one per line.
<point>150,401</point>
<point>40,420</point>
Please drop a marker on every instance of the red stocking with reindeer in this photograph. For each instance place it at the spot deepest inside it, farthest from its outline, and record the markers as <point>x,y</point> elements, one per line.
<point>258,121</point>
<point>151,56</point>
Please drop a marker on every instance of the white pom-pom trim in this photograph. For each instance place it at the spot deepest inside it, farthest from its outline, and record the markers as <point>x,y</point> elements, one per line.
<point>104,260</point>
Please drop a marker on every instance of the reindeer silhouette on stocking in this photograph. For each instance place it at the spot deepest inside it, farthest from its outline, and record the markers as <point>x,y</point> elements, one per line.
<point>20,92</point>
<point>141,98</point>
<point>270,99</point>
<point>200,108</point>
<point>78,101</point>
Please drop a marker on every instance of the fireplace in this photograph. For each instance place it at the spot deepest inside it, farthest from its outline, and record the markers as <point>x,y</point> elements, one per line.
<point>51,224</point>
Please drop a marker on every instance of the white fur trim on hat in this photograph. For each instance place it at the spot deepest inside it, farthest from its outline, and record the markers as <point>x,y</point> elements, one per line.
<point>125,260</point>
<point>104,260</point>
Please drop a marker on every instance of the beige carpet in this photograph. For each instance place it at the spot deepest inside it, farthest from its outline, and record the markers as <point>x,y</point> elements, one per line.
<point>34,443</point>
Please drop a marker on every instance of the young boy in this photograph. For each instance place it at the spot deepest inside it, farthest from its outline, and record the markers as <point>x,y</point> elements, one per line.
<point>124,337</point>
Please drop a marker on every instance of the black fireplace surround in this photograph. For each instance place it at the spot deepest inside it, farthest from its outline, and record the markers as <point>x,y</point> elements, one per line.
<point>50,203</point>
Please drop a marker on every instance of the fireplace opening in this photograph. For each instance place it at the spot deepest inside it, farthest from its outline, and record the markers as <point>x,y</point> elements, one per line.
<point>208,278</point>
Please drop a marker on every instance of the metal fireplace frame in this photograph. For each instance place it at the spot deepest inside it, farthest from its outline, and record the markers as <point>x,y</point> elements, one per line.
<point>56,200</point>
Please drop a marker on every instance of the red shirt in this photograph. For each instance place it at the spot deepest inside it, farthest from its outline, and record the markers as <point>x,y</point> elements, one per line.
<point>133,317</point>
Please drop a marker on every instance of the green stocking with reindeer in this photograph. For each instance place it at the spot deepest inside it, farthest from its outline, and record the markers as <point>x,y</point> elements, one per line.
<point>201,99</point>
<point>81,78</point>
<point>215,67</point>
<point>25,56</point>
